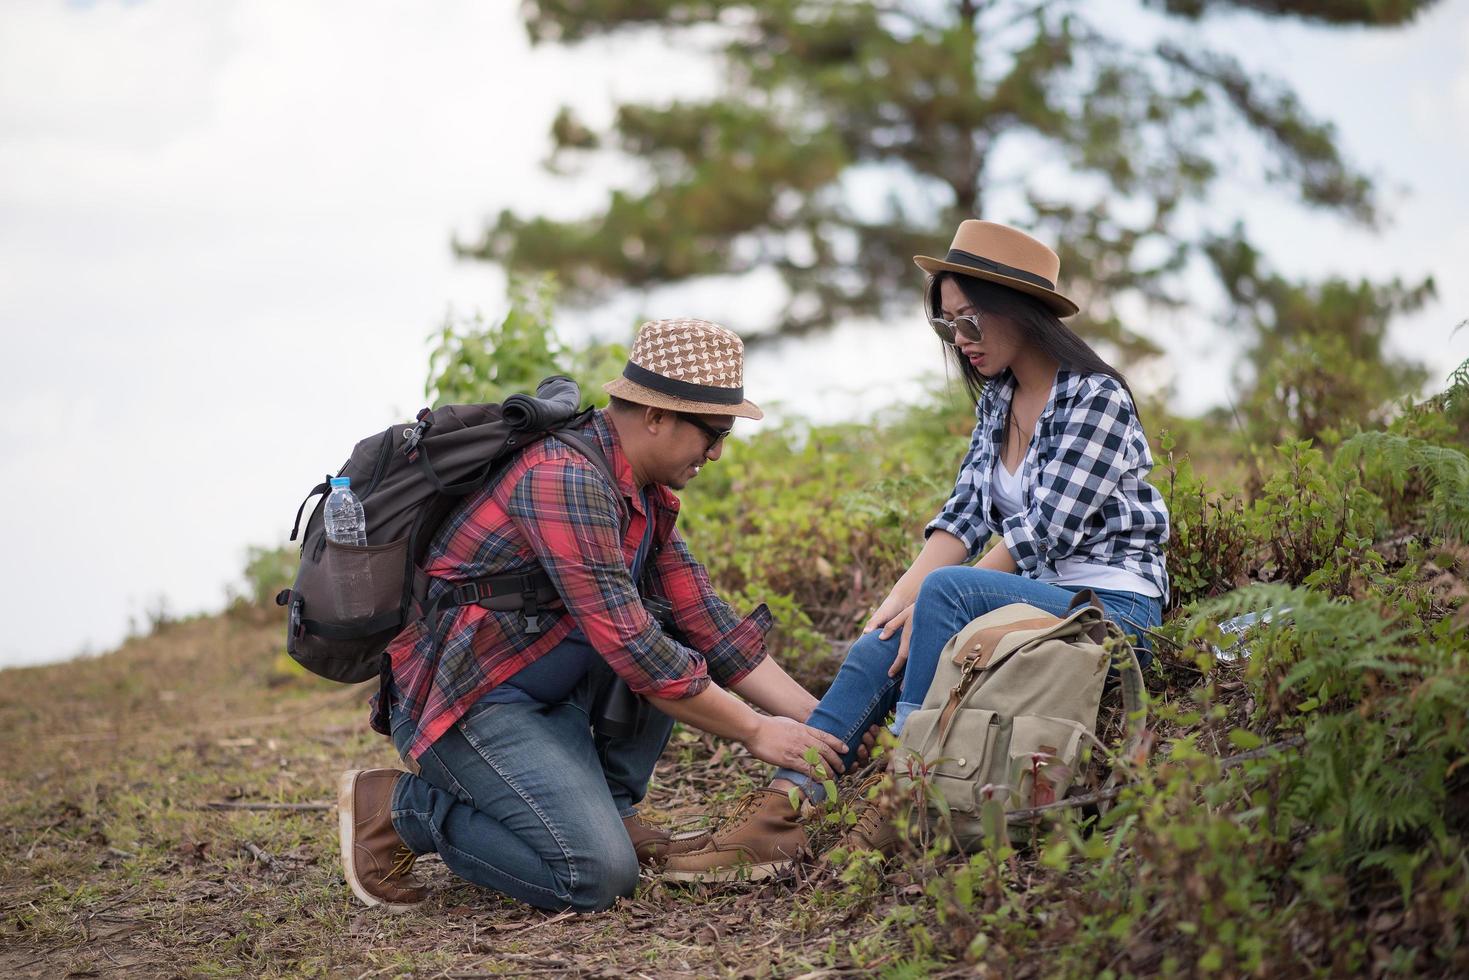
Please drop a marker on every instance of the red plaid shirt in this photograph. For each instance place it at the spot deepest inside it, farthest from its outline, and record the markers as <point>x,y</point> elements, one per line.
<point>554,509</point>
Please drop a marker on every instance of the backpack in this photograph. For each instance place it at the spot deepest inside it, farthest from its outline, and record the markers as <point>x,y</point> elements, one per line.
<point>348,601</point>
<point>1013,702</point>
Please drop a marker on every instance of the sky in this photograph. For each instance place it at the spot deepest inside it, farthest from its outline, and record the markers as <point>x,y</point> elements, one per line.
<point>225,237</point>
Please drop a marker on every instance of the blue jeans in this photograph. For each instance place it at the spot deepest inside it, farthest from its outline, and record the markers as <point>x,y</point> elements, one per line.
<point>863,694</point>
<point>526,799</point>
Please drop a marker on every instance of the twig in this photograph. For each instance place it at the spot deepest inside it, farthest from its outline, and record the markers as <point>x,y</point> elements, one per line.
<point>538,964</point>
<point>260,855</point>
<point>222,805</point>
<point>1115,791</point>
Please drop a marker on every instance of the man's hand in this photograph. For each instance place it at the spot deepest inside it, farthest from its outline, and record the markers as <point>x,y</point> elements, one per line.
<point>783,742</point>
<point>869,739</point>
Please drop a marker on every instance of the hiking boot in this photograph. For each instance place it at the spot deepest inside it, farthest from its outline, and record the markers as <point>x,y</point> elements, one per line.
<point>761,837</point>
<point>874,829</point>
<point>375,860</point>
<point>654,845</point>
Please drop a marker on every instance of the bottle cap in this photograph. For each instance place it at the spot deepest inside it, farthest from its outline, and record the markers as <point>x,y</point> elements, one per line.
<point>341,481</point>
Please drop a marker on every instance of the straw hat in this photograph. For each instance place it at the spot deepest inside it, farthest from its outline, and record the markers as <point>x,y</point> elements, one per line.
<point>999,253</point>
<point>686,366</point>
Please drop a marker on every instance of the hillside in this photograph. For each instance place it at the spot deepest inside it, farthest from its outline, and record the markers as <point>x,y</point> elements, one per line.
<point>1303,810</point>
<point>119,869</point>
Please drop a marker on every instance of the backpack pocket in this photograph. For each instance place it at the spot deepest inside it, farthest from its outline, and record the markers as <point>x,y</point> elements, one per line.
<point>361,581</point>
<point>1043,759</point>
<point>345,607</point>
<point>957,761</point>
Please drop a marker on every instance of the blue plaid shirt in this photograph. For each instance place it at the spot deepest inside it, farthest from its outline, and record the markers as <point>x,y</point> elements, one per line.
<point>1085,493</point>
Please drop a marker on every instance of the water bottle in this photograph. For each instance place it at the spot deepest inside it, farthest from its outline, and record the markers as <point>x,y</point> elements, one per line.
<point>1239,626</point>
<point>346,523</point>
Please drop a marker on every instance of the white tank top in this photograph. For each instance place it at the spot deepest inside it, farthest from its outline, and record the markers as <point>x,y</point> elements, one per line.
<point>1007,490</point>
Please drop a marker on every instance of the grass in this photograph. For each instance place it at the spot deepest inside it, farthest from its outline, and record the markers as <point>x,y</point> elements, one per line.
<point>115,868</point>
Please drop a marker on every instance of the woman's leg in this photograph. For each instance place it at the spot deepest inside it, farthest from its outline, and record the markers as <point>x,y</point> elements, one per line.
<point>860,696</point>
<point>1136,614</point>
<point>949,600</point>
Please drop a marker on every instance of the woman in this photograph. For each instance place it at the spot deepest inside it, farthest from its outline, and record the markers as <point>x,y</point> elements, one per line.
<point>1054,474</point>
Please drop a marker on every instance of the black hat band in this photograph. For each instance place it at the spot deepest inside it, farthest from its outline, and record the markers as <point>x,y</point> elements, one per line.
<point>683,389</point>
<point>960,257</point>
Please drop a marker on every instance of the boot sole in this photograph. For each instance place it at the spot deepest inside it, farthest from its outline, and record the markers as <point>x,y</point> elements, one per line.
<point>346,819</point>
<point>742,872</point>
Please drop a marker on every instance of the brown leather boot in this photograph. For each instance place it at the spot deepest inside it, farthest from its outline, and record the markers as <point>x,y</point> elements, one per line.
<point>874,829</point>
<point>375,860</point>
<point>762,836</point>
<point>654,845</point>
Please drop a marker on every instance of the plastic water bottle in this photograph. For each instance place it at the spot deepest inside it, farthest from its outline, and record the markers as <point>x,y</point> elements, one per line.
<point>346,523</point>
<point>1239,626</point>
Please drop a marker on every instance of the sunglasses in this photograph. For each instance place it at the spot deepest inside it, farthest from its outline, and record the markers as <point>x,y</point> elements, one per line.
<point>966,327</point>
<point>715,436</point>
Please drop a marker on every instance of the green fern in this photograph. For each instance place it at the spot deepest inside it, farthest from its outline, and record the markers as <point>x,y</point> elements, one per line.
<point>1392,458</point>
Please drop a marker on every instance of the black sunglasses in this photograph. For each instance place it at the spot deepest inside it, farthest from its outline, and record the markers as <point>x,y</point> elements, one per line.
<point>712,434</point>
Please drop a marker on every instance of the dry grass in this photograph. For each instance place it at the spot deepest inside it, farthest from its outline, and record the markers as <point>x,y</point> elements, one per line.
<point>115,870</point>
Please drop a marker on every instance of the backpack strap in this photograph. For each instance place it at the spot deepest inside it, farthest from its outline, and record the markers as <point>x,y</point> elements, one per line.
<point>527,590</point>
<point>318,489</point>
<point>594,454</point>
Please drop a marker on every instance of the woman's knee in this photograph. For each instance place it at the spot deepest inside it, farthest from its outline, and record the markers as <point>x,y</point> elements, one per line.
<point>870,654</point>
<point>957,585</point>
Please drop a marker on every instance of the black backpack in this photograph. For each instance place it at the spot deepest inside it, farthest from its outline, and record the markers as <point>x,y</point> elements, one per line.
<point>348,601</point>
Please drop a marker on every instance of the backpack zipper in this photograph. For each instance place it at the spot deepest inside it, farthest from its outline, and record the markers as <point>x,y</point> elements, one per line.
<point>383,452</point>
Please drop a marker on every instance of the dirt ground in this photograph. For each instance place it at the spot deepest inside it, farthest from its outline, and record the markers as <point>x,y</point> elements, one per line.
<point>117,866</point>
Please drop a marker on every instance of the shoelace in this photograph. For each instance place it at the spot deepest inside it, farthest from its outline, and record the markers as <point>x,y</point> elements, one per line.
<point>403,863</point>
<point>869,821</point>
<point>747,803</point>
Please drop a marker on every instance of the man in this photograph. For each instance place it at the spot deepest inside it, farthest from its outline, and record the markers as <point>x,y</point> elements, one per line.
<point>516,788</point>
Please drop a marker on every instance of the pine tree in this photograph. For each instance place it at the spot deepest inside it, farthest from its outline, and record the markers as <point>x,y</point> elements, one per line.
<point>928,103</point>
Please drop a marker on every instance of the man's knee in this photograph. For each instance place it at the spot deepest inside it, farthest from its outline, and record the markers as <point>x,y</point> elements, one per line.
<point>603,879</point>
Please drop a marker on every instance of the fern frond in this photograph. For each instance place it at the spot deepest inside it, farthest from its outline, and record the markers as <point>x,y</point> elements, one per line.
<point>1445,472</point>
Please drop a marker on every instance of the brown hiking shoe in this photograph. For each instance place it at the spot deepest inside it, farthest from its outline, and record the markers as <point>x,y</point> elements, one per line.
<point>874,829</point>
<point>762,836</point>
<point>375,860</point>
<point>654,845</point>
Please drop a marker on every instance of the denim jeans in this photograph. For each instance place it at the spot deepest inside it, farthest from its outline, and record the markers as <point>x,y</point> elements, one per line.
<point>862,694</point>
<point>526,799</point>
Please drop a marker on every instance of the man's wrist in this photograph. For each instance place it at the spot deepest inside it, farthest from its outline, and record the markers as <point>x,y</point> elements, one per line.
<point>749,724</point>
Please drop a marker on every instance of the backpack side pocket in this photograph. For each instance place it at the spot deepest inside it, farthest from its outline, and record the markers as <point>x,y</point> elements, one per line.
<point>1044,756</point>
<point>346,607</point>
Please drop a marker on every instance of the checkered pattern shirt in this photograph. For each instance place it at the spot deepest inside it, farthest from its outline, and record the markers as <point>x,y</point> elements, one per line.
<point>1085,493</point>
<point>553,508</point>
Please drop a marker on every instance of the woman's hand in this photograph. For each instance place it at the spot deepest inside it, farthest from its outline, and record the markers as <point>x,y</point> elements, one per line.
<point>902,621</point>
<point>897,601</point>
<point>783,742</point>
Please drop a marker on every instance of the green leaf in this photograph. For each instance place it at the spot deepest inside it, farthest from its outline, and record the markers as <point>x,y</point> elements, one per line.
<point>1246,740</point>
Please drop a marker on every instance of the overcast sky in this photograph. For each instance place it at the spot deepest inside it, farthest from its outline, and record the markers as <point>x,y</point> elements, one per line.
<point>224,238</point>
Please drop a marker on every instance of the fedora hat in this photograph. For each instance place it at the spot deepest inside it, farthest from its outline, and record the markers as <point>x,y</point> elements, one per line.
<point>686,366</point>
<point>998,253</point>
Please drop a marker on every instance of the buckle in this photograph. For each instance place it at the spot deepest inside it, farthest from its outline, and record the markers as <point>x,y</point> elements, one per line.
<point>530,609</point>
<point>466,594</point>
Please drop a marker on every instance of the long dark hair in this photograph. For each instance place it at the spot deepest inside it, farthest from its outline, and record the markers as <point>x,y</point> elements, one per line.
<point>1042,329</point>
